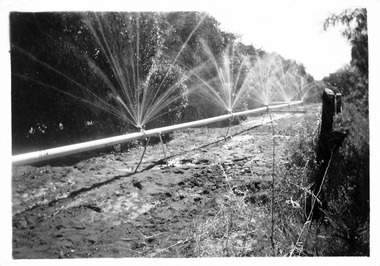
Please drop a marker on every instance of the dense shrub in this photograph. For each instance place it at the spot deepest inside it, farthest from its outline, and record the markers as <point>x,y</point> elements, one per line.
<point>65,79</point>
<point>347,189</point>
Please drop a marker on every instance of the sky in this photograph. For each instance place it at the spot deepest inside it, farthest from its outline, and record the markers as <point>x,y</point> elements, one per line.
<point>292,28</point>
<point>294,31</point>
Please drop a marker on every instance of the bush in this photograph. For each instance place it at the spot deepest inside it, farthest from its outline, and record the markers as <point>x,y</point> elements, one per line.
<point>302,151</point>
<point>347,189</point>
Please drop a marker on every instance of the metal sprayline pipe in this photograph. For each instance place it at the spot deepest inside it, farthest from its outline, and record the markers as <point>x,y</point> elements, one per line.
<point>38,156</point>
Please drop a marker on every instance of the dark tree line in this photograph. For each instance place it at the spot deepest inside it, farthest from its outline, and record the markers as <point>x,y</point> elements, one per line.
<point>59,96</point>
<point>347,188</point>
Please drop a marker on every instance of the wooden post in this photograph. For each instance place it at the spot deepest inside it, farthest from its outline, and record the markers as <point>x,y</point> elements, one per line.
<point>331,105</point>
<point>328,143</point>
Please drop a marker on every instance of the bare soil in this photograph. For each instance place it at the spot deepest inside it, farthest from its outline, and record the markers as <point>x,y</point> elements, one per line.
<point>97,207</point>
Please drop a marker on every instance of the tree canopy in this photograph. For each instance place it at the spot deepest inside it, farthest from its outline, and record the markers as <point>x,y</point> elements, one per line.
<point>349,174</point>
<point>353,79</point>
<point>355,31</point>
<point>78,76</point>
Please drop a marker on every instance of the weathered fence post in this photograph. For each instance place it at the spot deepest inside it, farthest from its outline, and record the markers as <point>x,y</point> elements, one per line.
<point>331,105</point>
<point>328,143</point>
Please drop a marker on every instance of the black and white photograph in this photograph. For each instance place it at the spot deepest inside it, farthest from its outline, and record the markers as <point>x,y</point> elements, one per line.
<point>180,130</point>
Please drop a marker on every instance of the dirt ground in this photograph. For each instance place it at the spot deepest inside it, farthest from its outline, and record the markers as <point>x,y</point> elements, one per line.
<point>97,207</point>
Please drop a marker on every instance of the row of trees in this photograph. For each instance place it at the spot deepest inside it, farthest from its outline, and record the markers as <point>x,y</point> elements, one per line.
<point>83,76</point>
<point>347,189</point>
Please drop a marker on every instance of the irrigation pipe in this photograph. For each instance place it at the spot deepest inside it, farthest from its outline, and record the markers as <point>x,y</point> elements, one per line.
<point>39,156</point>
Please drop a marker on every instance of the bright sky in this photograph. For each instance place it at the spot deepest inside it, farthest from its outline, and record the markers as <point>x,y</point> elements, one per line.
<point>292,28</point>
<point>295,31</point>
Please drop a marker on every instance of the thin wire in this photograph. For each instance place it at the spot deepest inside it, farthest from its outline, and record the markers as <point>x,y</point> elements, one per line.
<point>273,175</point>
<point>313,202</point>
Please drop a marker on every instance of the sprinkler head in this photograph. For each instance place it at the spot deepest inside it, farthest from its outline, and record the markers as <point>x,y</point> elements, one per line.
<point>141,127</point>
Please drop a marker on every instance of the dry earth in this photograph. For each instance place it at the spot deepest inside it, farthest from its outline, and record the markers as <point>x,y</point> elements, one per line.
<point>97,207</point>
